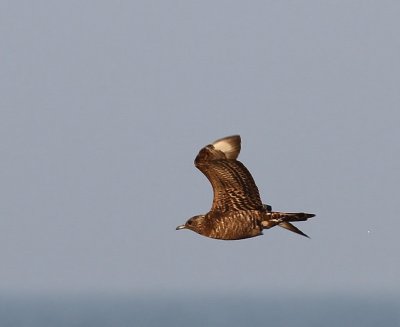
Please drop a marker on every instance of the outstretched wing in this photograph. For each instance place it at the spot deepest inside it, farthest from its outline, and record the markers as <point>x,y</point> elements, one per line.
<point>234,187</point>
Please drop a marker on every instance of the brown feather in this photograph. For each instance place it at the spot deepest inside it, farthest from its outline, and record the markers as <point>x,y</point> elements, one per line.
<point>234,187</point>
<point>237,211</point>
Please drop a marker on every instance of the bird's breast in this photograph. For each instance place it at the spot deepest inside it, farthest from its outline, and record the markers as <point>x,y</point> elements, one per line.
<point>235,225</point>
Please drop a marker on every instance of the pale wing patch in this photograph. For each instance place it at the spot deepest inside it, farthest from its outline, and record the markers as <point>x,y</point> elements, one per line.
<point>230,146</point>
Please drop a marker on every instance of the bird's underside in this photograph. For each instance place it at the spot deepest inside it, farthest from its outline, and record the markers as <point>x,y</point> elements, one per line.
<point>237,211</point>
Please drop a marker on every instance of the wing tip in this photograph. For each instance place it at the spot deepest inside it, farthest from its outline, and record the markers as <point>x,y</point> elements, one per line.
<point>229,145</point>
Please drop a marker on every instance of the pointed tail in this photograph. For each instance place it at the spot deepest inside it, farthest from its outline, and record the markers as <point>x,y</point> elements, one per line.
<point>295,216</point>
<point>283,220</point>
<point>298,216</point>
<point>292,228</point>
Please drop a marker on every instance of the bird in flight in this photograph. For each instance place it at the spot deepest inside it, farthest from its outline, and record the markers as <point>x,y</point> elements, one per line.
<point>237,211</point>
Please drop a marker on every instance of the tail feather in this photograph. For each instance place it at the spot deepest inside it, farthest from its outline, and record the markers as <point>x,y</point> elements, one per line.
<point>292,228</point>
<point>283,220</point>
<point>296,216</point>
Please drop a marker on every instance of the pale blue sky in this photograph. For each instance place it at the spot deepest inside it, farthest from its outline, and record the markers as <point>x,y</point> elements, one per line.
<point>104,106</point>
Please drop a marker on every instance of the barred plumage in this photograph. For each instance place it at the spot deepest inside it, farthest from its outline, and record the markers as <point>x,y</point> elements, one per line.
<point>237,211</point>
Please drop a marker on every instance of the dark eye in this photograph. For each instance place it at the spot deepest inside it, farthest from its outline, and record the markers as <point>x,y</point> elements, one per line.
<point>189,222</point>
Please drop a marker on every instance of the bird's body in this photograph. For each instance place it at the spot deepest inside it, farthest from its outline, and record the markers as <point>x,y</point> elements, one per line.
<point>232,225</point>
<point>237,211</point>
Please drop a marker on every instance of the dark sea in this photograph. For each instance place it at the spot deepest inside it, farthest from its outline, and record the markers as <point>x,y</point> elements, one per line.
<point>198,310</point>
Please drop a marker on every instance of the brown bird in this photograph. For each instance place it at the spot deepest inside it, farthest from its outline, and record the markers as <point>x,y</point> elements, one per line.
<point>237,211</point>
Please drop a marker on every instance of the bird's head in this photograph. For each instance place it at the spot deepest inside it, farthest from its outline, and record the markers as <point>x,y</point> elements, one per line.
<point>196,224</point>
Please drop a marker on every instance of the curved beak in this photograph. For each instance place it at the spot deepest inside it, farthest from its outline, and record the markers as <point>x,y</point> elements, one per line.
<point>180,227</point>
